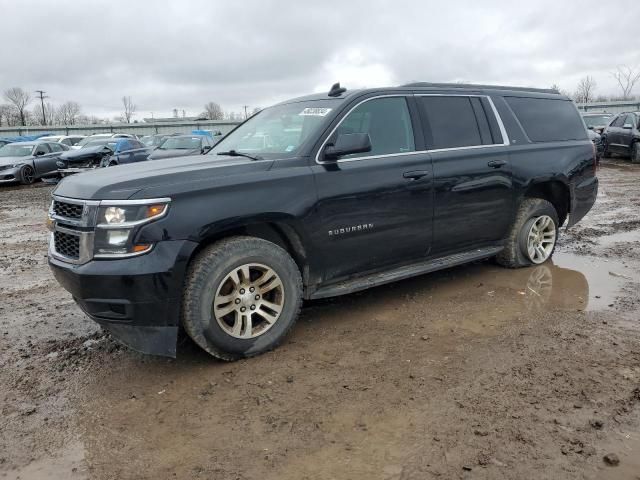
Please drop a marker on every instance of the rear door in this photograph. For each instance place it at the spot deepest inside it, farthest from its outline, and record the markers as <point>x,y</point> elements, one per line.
<point>472,175</point>
<point>374,209</point>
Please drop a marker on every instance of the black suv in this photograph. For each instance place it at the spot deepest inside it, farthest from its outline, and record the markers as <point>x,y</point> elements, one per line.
<point>622,136</point>
<point>319,196</point>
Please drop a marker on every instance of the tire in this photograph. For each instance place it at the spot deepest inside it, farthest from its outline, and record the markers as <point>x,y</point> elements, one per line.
<point>635,152</point>
<point>27,175</point>
<point>210,283</point>
<point>532,211</point>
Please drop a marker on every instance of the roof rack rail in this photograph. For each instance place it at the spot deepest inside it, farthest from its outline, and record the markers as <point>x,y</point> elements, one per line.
<point>488,87</point>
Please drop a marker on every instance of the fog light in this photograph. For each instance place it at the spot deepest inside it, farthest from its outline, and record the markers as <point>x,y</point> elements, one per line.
<point>117,237</point>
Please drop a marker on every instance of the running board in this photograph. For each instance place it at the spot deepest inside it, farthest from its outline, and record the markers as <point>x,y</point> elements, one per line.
<point>407,271</point>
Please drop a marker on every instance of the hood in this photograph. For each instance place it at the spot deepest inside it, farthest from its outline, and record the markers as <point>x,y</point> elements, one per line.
<point>158,178</point>
<point>83,153</point>
<point>157,153</point>
<point>4,161</point>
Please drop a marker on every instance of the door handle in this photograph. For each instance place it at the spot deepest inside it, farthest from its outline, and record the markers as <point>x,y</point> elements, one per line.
<point>496,163</point>
<point>415,174</point>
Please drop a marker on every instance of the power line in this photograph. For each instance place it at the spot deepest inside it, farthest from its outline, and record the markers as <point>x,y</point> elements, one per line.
<point>42,95</point>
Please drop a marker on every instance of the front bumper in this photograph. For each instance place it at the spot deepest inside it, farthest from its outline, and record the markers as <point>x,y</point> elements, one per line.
<point>137,299</point>
<point>10,175</point>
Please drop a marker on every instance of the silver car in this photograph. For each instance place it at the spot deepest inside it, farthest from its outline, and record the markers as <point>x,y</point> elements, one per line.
<point>26,162</point>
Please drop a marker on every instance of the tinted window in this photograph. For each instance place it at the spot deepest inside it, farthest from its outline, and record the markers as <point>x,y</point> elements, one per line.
<point>452,122</point>
<point>55,147</point>
<point>548,120</point>
<point>387,122</point>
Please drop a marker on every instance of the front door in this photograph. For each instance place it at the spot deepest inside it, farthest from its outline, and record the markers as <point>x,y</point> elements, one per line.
<point>374,209</point>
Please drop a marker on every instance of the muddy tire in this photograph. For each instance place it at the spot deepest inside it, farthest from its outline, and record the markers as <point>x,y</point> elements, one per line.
<point>27,175</point>
<point>533,236</point>
<point>635,152</point>
<point>242,295</point>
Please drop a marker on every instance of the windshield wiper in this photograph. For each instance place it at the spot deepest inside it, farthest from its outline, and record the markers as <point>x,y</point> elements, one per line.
<point>234,153</point>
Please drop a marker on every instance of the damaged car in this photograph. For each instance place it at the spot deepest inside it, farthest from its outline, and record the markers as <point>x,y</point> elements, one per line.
<point>106,152</point>
<point>182,146</point>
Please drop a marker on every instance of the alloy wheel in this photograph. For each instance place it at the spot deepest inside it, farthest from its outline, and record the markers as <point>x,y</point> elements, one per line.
<point>249,301</point>
<point>541,239</point>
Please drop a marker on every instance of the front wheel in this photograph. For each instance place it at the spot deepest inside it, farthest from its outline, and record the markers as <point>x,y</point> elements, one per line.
<point>27,175</point>
<point>533,236</point>
<point>241,297</point>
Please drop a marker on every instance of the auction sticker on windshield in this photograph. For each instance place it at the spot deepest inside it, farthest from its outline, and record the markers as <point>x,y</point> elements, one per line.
<point>315,112</point>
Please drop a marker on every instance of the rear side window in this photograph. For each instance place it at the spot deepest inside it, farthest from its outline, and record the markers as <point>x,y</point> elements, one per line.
<point>548,120</point>
<point>452,122</point>
<point>388,123</point>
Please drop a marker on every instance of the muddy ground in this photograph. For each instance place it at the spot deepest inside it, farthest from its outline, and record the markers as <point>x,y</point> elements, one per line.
<point>475,372</point>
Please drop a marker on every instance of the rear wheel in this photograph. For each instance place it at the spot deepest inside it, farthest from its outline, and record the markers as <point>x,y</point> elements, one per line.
<point>242,296</point>
<point>27,175</point>
<point>533,236</point>
<point>635,152</point>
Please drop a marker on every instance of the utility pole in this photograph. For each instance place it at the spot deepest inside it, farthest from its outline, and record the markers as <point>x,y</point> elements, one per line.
<point>245,111</point>
<point>41,94</point>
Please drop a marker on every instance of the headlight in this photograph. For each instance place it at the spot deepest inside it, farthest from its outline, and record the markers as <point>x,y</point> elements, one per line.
<point>118,223</point>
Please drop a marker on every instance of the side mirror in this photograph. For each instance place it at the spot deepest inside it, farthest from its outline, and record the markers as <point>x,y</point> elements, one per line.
<point>346,144</point>
<point>590,127</point>
<point>39,154</point>
<point>205,149</point>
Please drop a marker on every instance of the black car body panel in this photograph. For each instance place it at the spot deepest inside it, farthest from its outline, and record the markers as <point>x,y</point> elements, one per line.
<point>349,224</point>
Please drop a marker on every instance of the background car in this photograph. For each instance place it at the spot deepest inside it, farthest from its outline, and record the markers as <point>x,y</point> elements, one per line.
<point>4,141</point>
<point>155,140</point>
<point>622,136</point>
<point>597,121</point>
<point>597,141</point>
<point>26,162</point>
<point>68,140</point>
<point>105,152</point>
<point>98,136</point>
<point>183,145</point>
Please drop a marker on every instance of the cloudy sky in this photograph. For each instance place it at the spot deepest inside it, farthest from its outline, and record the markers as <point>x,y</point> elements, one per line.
<point>181,54</point>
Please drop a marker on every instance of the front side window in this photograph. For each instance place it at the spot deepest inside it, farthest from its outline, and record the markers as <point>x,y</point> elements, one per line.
<point>55,147</point>
<point>388,123</point>
<point>452,122</point>
<point>41,149</point>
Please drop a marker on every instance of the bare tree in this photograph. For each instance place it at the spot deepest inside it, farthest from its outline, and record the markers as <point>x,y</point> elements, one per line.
<point>129,109</point>
<point>6,114</point>
<point>68,113</point>
<point>585,92</point>
<point>212,111</point>
<point>50,114</point>
<point>20,99</point>
<point>626,77</point>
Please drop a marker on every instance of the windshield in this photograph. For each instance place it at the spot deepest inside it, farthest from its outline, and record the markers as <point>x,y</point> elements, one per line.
<point>16,150</point>
<point>180,143</point>
<point>109,142</point>
<point>597,120</point>
<point>86,140</point>
<point>278,131</point>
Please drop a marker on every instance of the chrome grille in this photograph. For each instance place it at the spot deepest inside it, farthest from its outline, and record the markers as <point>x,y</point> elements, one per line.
<point>67,210</point>
<point>67,245</point>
